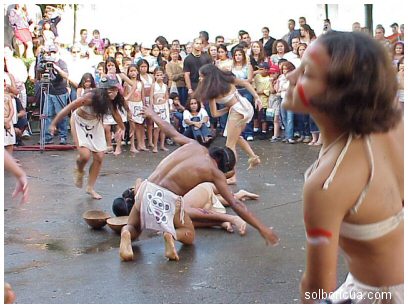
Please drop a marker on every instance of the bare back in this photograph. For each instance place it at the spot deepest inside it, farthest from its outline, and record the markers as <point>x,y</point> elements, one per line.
<point>184,169</point>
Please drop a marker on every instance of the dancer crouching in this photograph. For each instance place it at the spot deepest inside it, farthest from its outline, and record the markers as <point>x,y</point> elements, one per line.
<point>87,129</point>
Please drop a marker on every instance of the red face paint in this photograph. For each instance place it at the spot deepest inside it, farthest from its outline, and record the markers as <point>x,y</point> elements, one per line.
<point>318,236</point>
<point>302,95</point>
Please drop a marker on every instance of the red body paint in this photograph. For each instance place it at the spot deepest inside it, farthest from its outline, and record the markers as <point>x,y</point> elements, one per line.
<point>302,95</point>
<point>318,232</point>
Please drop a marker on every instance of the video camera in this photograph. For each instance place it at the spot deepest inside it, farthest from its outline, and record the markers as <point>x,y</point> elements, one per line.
<point>45,65</point>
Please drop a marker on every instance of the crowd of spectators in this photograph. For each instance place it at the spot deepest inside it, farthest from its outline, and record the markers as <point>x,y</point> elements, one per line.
<point>72,70</point>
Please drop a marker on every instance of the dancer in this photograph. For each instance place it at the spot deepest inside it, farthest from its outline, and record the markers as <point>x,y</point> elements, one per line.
<point>219,86</point>
<point>158,203</point>
<point>353,193</point>
<point>87,129</point>
<point>203,204</point>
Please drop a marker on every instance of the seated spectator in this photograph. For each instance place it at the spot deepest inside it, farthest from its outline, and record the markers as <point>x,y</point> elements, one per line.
<point>176,111</point>
<point>196,121</point>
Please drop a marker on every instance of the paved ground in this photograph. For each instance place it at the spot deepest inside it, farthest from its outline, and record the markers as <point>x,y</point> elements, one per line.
<point>51,255</point>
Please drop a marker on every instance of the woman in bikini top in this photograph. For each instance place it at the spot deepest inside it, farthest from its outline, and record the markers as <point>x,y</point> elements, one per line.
<point>353,193</point>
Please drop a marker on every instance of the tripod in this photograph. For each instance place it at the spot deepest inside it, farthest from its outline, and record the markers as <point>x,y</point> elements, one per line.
<point>44,90</point>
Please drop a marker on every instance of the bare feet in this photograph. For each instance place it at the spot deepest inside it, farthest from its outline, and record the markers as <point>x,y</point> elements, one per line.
<point>125,248</point>
<point>170,249</point>
<point>227,226</point>
<point>118,151</point>
<point>143,149</point>
<point>243,195</point>
<point>78,178</point>
<point>253,161</point>
<point>240,224</point>
<point>93,193</point>
<point>133,150</point>
<point>164,149</point>
<point>155,150</point>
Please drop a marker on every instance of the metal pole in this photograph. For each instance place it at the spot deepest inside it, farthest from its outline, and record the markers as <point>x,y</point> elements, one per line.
<point>326,10</point>
<point>368,8</point>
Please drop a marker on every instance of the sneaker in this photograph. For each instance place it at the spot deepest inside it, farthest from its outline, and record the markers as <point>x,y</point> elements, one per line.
<point>25,135</point>
<point>291,141</point>
<point>49,141</point>
<point>169,141</point>
<point>275,139</point>
<point>19,143</point>
<point>250,138</point>
<point>307,139</point>
<point>63,141</point>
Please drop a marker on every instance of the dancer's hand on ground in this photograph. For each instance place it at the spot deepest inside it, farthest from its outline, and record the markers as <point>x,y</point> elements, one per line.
<point>21,187</point>
<point>270,237</point>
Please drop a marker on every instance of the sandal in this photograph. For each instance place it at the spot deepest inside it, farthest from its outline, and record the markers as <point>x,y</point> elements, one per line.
<point>253,161</point>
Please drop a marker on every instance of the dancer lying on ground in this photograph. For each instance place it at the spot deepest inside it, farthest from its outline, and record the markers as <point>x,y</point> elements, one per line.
<point>202,203</point>
<point>159,205</point>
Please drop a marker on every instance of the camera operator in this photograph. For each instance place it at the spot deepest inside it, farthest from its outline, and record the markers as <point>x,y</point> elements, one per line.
<point>52,74</point>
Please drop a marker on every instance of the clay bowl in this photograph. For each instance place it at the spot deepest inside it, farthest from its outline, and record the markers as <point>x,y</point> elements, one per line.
<point>95,218</point>
<point>116,223</point>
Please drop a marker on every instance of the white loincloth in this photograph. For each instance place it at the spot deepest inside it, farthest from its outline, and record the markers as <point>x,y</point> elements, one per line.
<point>158,207</point>
<point>135,110</point>
<point>90,133</point>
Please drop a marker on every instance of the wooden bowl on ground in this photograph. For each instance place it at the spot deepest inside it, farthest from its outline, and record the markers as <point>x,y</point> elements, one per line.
<point>95,218</point>
<point>117,223</point>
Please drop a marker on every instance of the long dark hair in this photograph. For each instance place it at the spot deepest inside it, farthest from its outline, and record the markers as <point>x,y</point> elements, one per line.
<point>224,157</point>
<point>84,78</point>
<point>101,102</point>
<point>215,83</point>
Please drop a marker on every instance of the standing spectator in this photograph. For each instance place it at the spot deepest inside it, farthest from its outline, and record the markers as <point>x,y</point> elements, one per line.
<point>262,85</point>
<point>161,41</point>
<point>307,34</point>
<point>293,56</point>
<point>192,64</point>
<point>397,52</point>
<point>83,43</point>
<point>219,40</point>
<point>204,36</point>
<point>47,34</point>
<point>242,70</point>
<point>223,62</point>
<point>326,26</point>
<point>53,16</point>
<point>380,37</point>
<point>279,49</point>
<point>267,41</point>
<point>287,115</point>
<point>395,36</point>
<point>97,41</point>
<point>57,97</point>
<point>174,71</point>
<point>292,32</point>
<point>20,22</point>
<point>302,21</point>
<point>356,27</point>
<point>400,78</point>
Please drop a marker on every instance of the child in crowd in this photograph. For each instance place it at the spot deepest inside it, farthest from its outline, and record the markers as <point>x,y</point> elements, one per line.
<point>9,133</point>
<point>147,79</point>
<point>274,103</point>
<point>262,85</point>
<point>176,111</point>
<point>134,97</point>
<point>196,121</point>
<point>99,72</point>
<point>86,84</point>
<point>159,97</point>
<point>47,34</point>
<point>97,42</point>
<point>287,116</point>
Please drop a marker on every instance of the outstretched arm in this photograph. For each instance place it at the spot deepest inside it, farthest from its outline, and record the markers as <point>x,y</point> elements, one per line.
<point>165,127</point>
<point>240,208</point>
<point>22,184</point>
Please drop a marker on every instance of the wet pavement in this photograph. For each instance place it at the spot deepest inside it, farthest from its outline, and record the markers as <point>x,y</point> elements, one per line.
<point>51,256</point>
